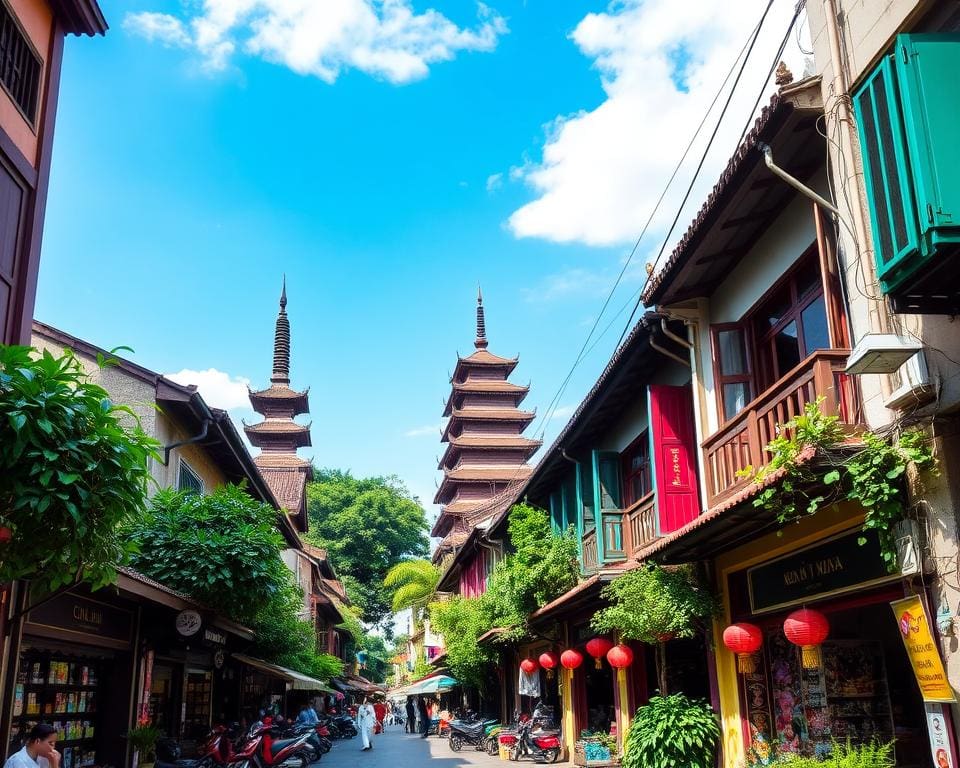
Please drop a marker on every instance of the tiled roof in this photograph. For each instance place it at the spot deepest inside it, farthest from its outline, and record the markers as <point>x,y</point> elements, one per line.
<point>503,474</point>
<point>494,441</point>
<point>484,386</point>
<point>288,485</point>
<point>278,392</point>
<point>493,414</point>
<point>482,357</point>
<point>280,460</point>
<point>277,426</point>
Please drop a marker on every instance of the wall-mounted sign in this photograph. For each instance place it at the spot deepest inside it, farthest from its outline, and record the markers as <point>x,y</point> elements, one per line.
<point>218,658</point>
<point>188,623</point>
<point>941,747</point>
<point>212,636</point>
<point>832,567</point>
<point>922,650</point>
<point>78,617</point>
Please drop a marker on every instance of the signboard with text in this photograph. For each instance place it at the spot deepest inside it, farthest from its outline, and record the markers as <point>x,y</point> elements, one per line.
<point>832,567</point>
<point>922,650</point>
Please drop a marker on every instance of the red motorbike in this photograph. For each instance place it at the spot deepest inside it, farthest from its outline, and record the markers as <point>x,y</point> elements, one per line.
<point>264,750</point>
<point>535,737</point>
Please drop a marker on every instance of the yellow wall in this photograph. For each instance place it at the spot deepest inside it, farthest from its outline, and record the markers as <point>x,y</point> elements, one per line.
<point>808,531</point>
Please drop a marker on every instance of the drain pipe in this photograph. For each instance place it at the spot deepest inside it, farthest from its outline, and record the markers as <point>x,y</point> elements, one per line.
<point>207,421</point>
<point>668,353</point>
<point>794,182</point>
<point>685,343</point>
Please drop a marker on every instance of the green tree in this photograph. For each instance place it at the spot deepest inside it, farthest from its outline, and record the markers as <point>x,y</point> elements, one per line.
<point>73,468</point>
<point>414,584</point>
<point>367,525</point>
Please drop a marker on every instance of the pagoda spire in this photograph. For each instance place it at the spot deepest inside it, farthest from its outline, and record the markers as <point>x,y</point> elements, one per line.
<point>481,341</point>
<point>281,342</point>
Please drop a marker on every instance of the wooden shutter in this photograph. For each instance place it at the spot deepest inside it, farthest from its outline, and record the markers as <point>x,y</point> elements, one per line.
<point>674,463</point>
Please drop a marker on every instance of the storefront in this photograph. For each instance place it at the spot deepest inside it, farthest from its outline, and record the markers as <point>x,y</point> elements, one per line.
<point>862,688</point>
<point>75,670</point>
<point>272,688</point>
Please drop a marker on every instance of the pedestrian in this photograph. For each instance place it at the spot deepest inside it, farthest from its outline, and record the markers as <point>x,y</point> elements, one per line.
<point>366,718</point>
<point>307,715</point>
<point>411,716</point>
<point>40,751</point>
<point>380,711</point>
<point>423,714</point>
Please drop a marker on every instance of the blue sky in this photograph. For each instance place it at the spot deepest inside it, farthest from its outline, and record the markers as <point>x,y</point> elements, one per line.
<point>387,158</point>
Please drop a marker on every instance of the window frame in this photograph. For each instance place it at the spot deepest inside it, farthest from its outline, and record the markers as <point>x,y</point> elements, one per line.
<point>626,475</point>
<point>184,465</point>
<point>38,95</point>
<point>719,378</point>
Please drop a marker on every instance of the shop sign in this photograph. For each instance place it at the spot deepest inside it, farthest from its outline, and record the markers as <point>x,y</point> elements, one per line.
<point>922,650</point>
<point>75,615</point>
<point>940,747</point>
<point>188,623</point>
<point>832,567</point>
<point>212,636</point>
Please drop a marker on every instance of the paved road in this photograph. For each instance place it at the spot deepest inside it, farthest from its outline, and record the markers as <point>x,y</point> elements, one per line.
<point>395,749</point>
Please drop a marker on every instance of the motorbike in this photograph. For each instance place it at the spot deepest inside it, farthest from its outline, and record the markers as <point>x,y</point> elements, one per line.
<point>472,731</point>
<point>536,737</point>
<point>345,726</point>
<point>217,750</point>
<point>263,748</point>
<point>317,743</point>
<point>492,742</point>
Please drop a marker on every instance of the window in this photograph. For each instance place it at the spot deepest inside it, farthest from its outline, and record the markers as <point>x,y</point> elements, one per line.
<point>19,65</point>
<point>635,469</point>
<point>783,329</point>
<point>188,480</point>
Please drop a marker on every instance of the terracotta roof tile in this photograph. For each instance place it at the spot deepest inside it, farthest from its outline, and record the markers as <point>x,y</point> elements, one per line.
<point>484,386</point>
<point>493,414</point>
<point>277,426</point>
<point>279,392</point>
<point>288,485</point>
<point>280,460</point>
<point>504,474</point>
<point>482,357</point>
<point>494,441</point>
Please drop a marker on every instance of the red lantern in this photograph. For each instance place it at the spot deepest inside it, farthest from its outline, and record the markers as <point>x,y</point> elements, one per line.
<point>529,666</point>
<point>598,648</point>
<point>571,659</point>
<point>5,534</point>
<point>620,656</point>
<point>548,661</point>
<point>744,640</point>
<point>808,629</point>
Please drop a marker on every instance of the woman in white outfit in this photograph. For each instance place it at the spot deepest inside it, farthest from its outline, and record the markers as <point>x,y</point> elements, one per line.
<point>366,718</point>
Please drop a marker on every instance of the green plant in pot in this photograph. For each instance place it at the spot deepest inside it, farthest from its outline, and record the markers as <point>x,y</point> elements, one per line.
<point>655,604</point>
<point>672,731</point>
<point>144,739</point>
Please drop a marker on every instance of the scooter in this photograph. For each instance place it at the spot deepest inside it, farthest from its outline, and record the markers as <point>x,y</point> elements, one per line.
<point>345,725</point>
<point>264,750</point>
<point>537,737</point>
<point>216,751</point>
<point>470,731</point>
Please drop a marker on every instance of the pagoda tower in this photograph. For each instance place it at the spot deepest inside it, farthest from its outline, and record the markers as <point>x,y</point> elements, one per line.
<point>486,451</point>
<point>278,436</point>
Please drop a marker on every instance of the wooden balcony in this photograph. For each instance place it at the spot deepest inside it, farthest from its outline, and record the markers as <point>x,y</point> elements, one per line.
<point>742,441</point>
<point>640,524</point>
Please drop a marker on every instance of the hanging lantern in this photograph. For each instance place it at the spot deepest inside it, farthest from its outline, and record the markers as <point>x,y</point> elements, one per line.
<point>598,648</point>
<point>620,656</point>
<point>529,666</point>
<point>808,629</point>
<point>571,659</point>
<point>548,661</point>
<point>744,640</point>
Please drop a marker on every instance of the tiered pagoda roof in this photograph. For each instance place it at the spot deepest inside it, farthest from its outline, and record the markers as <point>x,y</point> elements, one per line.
<point>278,435</point>
<point>486,451</point>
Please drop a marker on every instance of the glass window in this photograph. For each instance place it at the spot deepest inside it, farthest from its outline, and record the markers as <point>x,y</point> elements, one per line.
<point>188,480</point>
<point>816,334</point>
<point>733,356</point>
<point>734,398</point>
<point>787,346</point>
<point>635,463</point>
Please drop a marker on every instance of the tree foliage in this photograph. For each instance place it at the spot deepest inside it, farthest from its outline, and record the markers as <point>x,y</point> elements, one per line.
<point>461,621</point>
<point>73,467</point>
<point>413,584</point>
<point>672,731</point>
<point>367,525</point>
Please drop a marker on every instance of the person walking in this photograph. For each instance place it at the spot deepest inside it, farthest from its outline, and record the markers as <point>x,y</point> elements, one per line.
<point>380,712</point>
<point>423,715</point>
<point>411,716</point>
<point>366,719</point>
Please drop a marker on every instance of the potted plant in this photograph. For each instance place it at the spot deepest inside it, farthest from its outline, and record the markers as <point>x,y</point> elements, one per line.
<point>672,731</point>
<point>596,749</point>
<point>655,604</point>
<point>144,739</point>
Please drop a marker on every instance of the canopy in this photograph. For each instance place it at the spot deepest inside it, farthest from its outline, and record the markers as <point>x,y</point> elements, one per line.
<point>298,680</point>
<point>437,684</point>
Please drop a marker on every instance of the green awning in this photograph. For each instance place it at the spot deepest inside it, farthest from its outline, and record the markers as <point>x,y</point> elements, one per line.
<point>297,680</point>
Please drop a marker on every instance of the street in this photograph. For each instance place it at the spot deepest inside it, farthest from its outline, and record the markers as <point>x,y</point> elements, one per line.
<point>396,749</point>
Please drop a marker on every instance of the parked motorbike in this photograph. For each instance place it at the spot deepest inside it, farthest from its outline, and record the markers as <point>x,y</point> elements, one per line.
<point>265,748</point>
<point>344,725</point>
<point>470,729</point>
<point>317,745</point>
<point>537,737</point>
<point>216,751</point>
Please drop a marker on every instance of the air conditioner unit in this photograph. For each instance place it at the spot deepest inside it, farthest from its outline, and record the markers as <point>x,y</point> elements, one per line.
<point>906,114</point>
<point>912,384</point>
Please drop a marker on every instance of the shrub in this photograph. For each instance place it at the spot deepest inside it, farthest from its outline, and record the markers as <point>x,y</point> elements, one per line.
<point>672,731</point>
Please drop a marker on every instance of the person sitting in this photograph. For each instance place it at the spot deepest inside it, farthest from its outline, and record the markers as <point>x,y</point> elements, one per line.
<point>40,751</point>
<point>307,716</point>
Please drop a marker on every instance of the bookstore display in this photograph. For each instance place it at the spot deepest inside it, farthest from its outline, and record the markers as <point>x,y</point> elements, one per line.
<point>805,710</point>
<point>197,703</point>
<point>63,691</point>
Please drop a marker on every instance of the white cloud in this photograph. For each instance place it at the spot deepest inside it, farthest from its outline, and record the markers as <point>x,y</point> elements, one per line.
<point>383,38</point>
<point>601,171</point>
<point>219,389</point>
<point>427,429</point>
<point>563,412</point>
<point>494,181</point>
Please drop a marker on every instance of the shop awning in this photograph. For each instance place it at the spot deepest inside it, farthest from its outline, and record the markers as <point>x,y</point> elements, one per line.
<point>298,681</point>
<point>438,684</point>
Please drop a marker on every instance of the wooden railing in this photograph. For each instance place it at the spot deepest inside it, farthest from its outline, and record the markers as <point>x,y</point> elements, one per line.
<point>741,442</point>
<point>590,563</point>
<point>640,524</point>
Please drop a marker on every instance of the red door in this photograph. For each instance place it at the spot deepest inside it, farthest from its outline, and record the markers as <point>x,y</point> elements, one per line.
<point>674,443</point>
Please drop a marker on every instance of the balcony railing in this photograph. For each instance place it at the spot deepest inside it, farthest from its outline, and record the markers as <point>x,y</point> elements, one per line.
<point>640,523</point>
<point>590,552</point>
<point>741,442</point>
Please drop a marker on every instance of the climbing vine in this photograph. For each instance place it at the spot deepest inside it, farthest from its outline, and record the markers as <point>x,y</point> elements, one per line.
<point>869,473</point>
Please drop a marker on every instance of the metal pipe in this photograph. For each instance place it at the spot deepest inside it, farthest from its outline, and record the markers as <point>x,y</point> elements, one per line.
<point>668,353</point>
<point>672,336</point>
<point>563,452</point>
<point>794,182</point>
<point>204,427</point>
